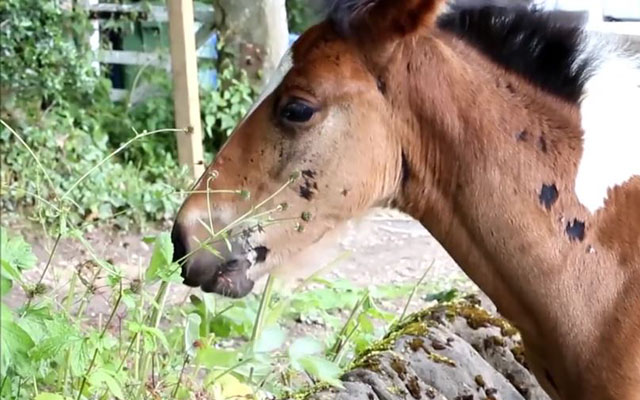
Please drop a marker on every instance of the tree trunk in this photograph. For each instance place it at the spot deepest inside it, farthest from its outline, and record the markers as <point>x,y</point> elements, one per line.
<point>257,31</point>
<point>456,351</point>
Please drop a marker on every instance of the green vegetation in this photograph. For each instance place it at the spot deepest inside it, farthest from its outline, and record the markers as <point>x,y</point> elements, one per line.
<point>53,96</point>
<point>216,347</point>
<point>301,15</point>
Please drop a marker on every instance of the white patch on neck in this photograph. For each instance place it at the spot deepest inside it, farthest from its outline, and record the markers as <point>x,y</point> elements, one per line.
<point>610,110</point>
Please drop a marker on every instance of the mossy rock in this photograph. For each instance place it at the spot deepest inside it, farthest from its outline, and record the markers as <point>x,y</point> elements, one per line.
<point>453,351</point>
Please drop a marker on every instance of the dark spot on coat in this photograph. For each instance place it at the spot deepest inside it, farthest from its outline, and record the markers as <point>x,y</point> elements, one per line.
<point>305,192</point>
<point>548,195</point>
<point>344,192</point>
<point>542,144</point>
<point>382,86</point>
<point>307,173</point>
<point>310,186</point>
<point>405,170</point>
<point>510,88</point>
<point>575,230</point>
<point>522,136</point>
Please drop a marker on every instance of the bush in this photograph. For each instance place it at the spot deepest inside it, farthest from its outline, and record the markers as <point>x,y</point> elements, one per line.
<point>301,14</point>
<point>61,109</point>
<point>43,58</point>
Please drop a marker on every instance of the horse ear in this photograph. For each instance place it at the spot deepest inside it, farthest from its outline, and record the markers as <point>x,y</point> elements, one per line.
<point>386,19</point>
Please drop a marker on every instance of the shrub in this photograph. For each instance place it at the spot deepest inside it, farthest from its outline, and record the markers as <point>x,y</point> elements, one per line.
<point>61,109</point>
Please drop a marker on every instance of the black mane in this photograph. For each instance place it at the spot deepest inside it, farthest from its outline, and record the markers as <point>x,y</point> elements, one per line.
<point>543,47</point>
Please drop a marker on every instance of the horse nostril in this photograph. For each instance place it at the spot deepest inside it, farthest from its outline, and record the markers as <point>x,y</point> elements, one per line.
<point>261,253</point>
<point>179,249</point>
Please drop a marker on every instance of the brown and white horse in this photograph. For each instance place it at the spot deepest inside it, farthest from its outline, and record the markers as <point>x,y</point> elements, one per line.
<point>515,141</point>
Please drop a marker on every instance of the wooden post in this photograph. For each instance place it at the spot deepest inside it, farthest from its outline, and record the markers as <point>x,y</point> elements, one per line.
<point>184,69</point>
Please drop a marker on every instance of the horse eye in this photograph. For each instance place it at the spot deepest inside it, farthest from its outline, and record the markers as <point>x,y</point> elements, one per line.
<point>297,112</point>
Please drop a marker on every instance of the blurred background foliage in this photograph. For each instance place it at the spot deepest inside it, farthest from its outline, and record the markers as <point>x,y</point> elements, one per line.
<point>58,102</point>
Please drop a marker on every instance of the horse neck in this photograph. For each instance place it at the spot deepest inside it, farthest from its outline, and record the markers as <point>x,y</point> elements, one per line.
<point>480,147</point>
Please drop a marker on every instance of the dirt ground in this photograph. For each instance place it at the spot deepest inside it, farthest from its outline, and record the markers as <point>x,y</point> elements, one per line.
<point>384,247</point>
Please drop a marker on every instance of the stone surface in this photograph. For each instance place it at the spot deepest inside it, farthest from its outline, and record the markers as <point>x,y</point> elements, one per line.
<point>456,351</point>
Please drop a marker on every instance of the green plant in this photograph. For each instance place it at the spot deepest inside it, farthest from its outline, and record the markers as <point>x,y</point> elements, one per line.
<point>43,60</point>
<point>52,93</point>
<point>301,15</point>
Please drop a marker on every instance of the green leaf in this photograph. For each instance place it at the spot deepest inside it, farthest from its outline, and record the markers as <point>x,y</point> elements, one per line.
<point>15,342</point>
<point>49,396</point>
<point>211,357</point>
<point>209,302</point>
<point>322,369</point>
<point>157,333</point>
<point>443,297</point>
<point>5,285</point>
<point>270,339</point>
<point>149,239</point>
<point>302,347</point>
<point>232,388</point>
<point>366,326</point>
<point>161,265</point>
<point>192,333</point>
<point>15,256</point>
<point>103,376</point>
<point>79,357</point>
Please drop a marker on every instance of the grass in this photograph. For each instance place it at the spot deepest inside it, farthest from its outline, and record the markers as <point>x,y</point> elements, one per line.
<point>207,347</point>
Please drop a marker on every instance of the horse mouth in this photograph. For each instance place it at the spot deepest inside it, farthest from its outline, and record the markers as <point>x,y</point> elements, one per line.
<point>228,279</point>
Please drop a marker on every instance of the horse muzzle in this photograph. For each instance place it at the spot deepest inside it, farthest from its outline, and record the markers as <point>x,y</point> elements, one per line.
<point>220,268</point>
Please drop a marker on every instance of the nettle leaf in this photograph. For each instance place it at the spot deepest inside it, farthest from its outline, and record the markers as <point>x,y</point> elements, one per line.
<point>102,376</point>
<point>15,256</point>
<point>161,265</point>
<point>15,342</point>
<point>302,347</point>
<point>322,370</point>
<point>79,357</point>
<point>60,337</point>
<point>270,339</point>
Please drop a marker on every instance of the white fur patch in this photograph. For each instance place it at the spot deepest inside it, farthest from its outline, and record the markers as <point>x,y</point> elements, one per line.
<point>610,110</point>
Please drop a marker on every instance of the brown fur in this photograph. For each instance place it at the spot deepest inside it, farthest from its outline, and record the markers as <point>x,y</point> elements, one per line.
<point>463,146</point>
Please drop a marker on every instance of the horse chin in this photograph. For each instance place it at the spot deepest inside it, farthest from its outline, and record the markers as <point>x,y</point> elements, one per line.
<point>229,279</point>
